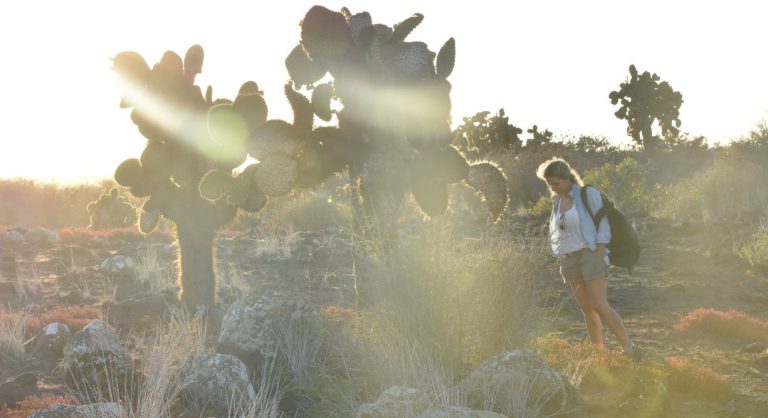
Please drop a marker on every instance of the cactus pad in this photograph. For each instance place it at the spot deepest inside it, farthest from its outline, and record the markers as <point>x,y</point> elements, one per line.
<point>431,196</point>
<point>325,34</point>
<point>490,181</point>
<point>446,59</point>
<point>129,173</point>
<point>301,69</point>
<point>275,136</point>
<point>148,221</point>
<point>321,101</point>
<point>215,184</point>
<point>276,174</point>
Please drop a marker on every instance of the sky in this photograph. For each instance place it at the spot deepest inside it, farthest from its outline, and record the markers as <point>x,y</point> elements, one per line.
<point>549,63</point>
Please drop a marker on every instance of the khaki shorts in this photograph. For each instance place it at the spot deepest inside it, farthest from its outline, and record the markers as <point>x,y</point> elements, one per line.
<point>582,265</point>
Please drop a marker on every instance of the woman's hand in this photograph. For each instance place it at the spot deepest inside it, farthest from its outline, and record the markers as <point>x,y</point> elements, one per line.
<point>599,252</point>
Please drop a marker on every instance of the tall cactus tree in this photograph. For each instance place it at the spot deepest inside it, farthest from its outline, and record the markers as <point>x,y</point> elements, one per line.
<point>393,133</point>
<point>189,137</point>
<point>644,100</point>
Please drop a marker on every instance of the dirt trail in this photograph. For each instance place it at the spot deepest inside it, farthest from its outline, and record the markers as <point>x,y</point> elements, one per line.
<point>683,268</point>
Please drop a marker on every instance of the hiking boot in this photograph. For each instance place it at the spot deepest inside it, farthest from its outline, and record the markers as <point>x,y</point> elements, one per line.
<point>635,353</point>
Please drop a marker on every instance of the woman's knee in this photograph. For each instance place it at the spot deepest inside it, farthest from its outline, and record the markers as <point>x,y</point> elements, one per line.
<point>588,309</point>
<point>602,308</point>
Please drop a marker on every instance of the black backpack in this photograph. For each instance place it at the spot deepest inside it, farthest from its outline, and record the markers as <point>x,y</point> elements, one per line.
<point>624,248</point>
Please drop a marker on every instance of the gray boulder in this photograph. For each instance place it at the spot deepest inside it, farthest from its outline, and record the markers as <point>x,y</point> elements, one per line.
<point>217,383</point>
<point>50,341</point>
<point>458,412</point>
<point>118,265</point>
<point>11,238</point>
<point>42,236</point>
<point>101,410</point>
<point>395,402</point>
<point>519,383</point>
<point>248,327</point>
<point>93,355</point>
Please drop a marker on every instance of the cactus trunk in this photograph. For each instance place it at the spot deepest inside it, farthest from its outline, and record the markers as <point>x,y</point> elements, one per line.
<point>196,254</point>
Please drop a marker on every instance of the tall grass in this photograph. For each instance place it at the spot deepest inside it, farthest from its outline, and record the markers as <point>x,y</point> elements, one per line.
<point>153,388</point>
<point>165,353</point>
<point>12,336</point>
<point>151,272</point>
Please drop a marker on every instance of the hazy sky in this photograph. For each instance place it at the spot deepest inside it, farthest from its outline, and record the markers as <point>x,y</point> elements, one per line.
<point>550,63</point>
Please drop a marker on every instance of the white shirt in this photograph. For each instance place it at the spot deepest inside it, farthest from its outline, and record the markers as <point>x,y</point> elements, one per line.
<point>568,240</point>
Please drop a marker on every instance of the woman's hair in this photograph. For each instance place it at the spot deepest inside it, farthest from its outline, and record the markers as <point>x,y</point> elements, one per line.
<point>558,167</point>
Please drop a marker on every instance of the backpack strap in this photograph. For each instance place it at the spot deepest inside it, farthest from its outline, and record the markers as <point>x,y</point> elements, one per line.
<point>586,202</point>
<point>596,218</point>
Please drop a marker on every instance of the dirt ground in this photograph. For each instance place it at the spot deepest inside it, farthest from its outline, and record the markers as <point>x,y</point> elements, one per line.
<point>683,267</point>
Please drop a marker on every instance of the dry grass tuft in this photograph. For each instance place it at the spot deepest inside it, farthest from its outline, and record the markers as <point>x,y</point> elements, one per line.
<point>12,336</point>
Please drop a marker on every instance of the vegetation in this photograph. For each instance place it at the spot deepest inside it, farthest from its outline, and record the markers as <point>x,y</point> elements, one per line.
<point>111,211</point>
<point>387,177</point>
<point>34,403</point>
<point>729,324</point>
<point>645,100</point>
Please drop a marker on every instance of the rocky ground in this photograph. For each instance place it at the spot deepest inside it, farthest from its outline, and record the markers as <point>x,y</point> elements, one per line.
<point>683,267</point>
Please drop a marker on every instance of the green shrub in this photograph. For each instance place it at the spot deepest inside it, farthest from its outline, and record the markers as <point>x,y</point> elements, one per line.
<point>755,252</point>
<point>730,188</point>
<point>624,183</point>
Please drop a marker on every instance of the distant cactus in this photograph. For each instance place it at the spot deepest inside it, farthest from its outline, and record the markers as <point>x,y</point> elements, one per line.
<point>111,210</point>
<point>644,100</point>
<point>481,135</point>
<point>538,139</point>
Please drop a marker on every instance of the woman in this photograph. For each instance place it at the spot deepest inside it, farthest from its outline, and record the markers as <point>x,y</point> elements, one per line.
<point>580,250</point>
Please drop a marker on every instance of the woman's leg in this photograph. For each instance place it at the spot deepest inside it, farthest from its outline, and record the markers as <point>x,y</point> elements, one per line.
<point>591,316</point>
<point>596,291</point>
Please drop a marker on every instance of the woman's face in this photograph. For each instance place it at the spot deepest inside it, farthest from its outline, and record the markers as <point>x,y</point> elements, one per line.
<point>558,186</point>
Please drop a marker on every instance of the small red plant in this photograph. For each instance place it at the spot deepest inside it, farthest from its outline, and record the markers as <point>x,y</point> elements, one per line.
<point>81,235</point>
<point>339,313</point>
<point>732,323</point>
<point>697,380</point>
<point>74,317</point>
<point>77,235</point>
<point>32,404</point>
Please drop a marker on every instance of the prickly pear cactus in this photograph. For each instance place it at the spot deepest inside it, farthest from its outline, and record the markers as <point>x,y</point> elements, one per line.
<point>186,169</point>
<point>391,98</point>
<point>111,210</point>
<point>644,99</point>
<point>482,134</point>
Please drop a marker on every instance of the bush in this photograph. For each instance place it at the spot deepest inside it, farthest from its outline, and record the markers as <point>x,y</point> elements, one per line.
<point>30,203</point>
<point>728,189</point>
<point>755,252</point>
<point>695,380</point>
<point>624,183</point>
<point>729,324</point>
